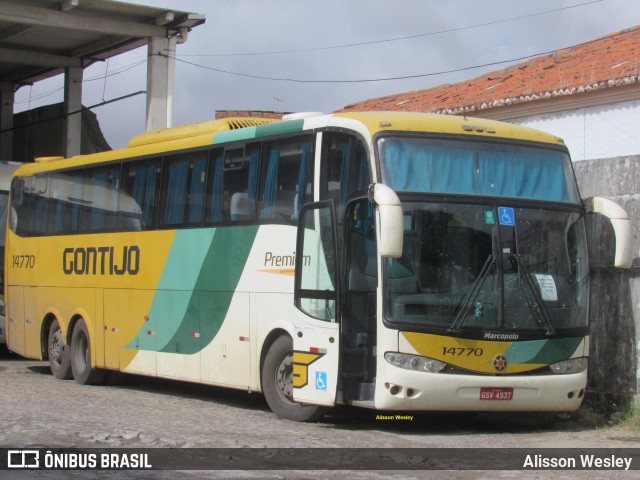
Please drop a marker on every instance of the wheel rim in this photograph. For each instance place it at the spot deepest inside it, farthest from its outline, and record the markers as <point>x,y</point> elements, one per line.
<point>56,347</point>
<point>284,378</point>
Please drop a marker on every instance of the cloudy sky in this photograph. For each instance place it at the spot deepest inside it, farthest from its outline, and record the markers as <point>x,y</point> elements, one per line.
<point>348,49</point>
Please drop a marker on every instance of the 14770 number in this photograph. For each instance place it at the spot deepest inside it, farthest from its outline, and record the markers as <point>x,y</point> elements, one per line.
<point>24,261</point>
<point>462,351</point>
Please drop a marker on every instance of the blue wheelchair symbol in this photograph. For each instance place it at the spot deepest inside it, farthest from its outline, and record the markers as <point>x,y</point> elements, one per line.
<point>321,380</point>
<point>507,216</point>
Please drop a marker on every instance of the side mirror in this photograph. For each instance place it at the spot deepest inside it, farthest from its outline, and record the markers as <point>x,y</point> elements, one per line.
<point>390,221</point>
<point>619,222</point>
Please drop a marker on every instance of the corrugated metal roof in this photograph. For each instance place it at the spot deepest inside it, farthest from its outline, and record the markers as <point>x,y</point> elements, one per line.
<point>607,62</point>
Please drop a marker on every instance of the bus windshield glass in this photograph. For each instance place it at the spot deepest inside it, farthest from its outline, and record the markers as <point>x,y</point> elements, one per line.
<point>416,164</point>
<point>498,262</point>
<point>488,267</point>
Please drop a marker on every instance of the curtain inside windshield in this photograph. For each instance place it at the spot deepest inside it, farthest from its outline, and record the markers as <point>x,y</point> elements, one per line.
<point>472,168</point>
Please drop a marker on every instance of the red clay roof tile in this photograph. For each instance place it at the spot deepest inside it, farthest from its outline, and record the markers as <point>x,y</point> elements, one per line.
<point>610,61</point>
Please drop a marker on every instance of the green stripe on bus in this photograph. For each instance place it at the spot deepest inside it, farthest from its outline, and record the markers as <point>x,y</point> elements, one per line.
<point>270,129</point>
<point>289,126</point>
<point>543,352</point>
<point>196,288</point>
<point>234,135</point>
<point>211,298</point>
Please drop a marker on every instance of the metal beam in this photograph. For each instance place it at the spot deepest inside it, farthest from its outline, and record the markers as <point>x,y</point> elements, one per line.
<point>27,15</point>
<point>25,57</point>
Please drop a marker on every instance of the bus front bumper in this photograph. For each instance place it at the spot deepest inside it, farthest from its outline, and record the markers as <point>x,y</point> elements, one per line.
<point>400,389</point>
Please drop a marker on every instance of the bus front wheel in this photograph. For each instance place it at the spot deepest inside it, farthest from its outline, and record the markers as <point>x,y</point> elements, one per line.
<point>81,357</point>
<point>58,353</point>
<point>277,384</point>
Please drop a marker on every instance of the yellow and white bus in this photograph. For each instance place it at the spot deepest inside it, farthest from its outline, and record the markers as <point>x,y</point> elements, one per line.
<point>394,261</point>
<point>6,171</point>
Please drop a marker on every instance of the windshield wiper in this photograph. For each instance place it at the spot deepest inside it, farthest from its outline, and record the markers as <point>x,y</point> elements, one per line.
<point>536,302</point>
<point>471,296</point>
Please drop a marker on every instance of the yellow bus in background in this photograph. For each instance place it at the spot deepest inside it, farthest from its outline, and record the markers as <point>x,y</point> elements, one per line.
<point>395,261</point>
<point>6,171</point>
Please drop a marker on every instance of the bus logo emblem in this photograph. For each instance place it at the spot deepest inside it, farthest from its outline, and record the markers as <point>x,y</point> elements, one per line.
<point>500,363</point>
<point>301,362</point>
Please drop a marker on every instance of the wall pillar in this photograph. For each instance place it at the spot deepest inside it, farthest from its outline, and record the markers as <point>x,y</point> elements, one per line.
<point>160,81</point>
<point>72,124</point>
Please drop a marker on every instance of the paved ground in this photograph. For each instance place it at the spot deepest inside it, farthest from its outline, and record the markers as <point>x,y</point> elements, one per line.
<point>136,412</point>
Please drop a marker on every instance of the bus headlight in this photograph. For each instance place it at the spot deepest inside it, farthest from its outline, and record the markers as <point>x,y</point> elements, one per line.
<point>414,362</point>
<point>573,365</point>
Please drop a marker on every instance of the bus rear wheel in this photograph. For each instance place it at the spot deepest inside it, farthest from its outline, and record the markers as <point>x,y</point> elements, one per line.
<point>81,357</point>
<point>58,353</point>
<point>277,384</point>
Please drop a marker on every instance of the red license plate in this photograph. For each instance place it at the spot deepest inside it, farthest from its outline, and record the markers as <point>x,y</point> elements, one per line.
<point>495,393</point>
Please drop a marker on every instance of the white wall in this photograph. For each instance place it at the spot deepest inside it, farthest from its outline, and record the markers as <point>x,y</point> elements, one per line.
<point>593,132</point>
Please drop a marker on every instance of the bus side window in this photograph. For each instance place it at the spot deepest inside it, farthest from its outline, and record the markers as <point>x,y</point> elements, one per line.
<point>141,192</point>
<point>287,180</point>
<point>183,189</point>
<point>99,211</point>
<point>33,212</point>
<point>345,169</point>
<point>66,200</point>
<point>17,202</point>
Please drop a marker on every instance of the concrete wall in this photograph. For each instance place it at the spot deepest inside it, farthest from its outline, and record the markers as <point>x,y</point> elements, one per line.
<point>605,145</point>
<point>615,294</point>
<point>39,133</point>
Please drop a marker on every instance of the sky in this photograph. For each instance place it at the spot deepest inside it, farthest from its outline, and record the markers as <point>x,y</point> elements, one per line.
<point>450,41</point>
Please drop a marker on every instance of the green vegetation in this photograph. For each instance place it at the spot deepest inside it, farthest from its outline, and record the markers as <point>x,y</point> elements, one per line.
<point>630,421</point>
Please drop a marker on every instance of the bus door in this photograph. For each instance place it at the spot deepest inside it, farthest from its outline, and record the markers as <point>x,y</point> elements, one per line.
<point>360,284</point>
<point>316,340</point>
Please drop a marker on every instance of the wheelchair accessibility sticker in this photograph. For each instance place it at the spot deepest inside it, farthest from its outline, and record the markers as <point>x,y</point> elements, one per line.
<point>321,380</point>
<point>507,216</point>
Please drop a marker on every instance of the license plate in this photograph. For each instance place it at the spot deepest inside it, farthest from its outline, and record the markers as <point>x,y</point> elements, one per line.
<point>495,393</point>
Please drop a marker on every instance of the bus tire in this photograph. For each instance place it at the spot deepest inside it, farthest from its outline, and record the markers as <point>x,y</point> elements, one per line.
<point>80,356</point>
<point>277,384</point>
<point>58,353</point>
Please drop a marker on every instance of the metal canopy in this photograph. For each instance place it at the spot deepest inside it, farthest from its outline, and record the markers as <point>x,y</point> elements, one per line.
<point>40,38</point>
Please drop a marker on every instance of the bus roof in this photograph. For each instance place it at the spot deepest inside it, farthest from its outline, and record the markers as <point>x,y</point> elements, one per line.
<point>247,128</point>
<point>447,124</point>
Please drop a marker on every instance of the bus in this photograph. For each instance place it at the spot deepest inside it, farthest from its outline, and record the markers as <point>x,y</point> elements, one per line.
<point>395,261</point>
<point>6,171</point>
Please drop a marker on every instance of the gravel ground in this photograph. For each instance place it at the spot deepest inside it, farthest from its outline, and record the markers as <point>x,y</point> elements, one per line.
<point>136,413</point>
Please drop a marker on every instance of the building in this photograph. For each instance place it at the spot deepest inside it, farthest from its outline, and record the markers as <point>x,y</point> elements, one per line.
<point>41,39</point>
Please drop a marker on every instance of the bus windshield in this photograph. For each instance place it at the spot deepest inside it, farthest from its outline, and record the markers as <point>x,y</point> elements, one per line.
<point>498,262</point>
<point>419,164</point>
<point>487,267</point>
